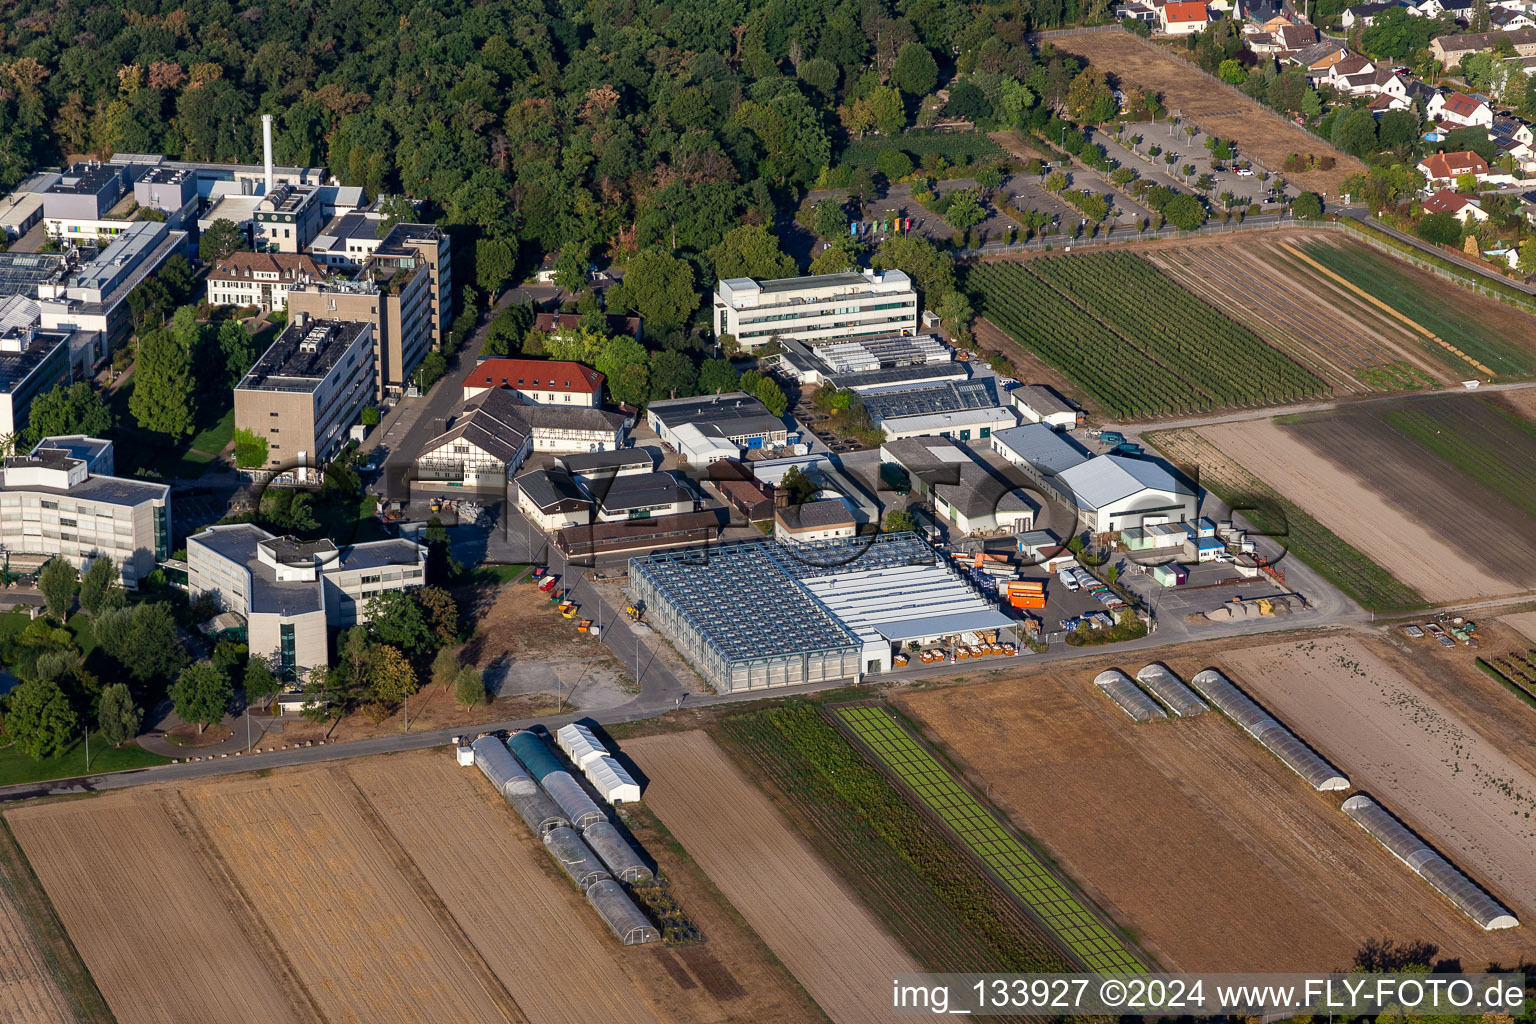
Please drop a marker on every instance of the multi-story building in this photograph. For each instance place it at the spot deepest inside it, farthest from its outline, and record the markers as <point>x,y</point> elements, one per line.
<point>261,279</point>
<point>850,305</point>
<point>395,299</point>
<point>286,219</point>
<point>352,241</point>
<point>18,212</point>
<point>291,591</point>
<point>88,290</point>
<point>170,190</point>
<point>306,391</point>
<point>57,501</point>
<point>77,207</point>
<point>32,360</point>
<point>538,381</point>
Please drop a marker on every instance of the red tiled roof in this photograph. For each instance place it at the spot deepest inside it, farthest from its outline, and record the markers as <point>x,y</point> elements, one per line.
<point>1449,165</point>
<point>540,374</point>
<point>1461,104</point>
<point>1446,201</point>
<point>1185,12</point>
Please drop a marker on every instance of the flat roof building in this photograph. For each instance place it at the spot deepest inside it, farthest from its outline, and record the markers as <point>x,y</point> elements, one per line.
<point>87,190</point>
<point>291,591</point>
<point>51,503</point>
<point>33,360</point>
<point>305,392</point>
<point>286,219</point>
<point>19,211</point>
<point>396,307</point>
<point>352,240</point>
<point>92,293</point>
<point>962,409</point>
<point>711,427</point>
<point>848,305</point>
<point>1039,450</point>
<point>969,493</point>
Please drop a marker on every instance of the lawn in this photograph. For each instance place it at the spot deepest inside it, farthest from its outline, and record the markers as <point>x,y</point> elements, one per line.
<point>489,575</point>
<point>138,449</point>
<point>16,767</point>
<point>959,148</point>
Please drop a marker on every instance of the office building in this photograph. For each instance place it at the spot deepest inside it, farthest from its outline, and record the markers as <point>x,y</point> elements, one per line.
<point>812,309</point>
<point>352,241</point>
<point>33,360</point>
<point>305,392</point>
<point>261,279</point>
<point>53,502</point>
<point>286,219</point>
<point>291,591</point>
<point>81,205</point>
<point>88,290</point>
<point>396,307</point>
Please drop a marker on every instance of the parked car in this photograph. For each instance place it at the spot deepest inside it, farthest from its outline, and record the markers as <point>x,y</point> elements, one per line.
<point>1067,579</point>
<point>1244,172</point>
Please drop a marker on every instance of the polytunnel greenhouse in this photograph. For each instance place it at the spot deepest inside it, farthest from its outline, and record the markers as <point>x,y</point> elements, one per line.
<point>1276,738</point>
<point>1119,688</point>
<point>1170,689</point>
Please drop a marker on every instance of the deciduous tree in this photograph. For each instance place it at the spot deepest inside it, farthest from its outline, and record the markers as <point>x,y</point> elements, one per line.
<point>99,578</point>
<point>117,716</point>
<point>162,387</point>
<point>67,409</point>
<point>39,720</point>
<point>58,581</point>
<point>201,694</point>
<point>750,250</point>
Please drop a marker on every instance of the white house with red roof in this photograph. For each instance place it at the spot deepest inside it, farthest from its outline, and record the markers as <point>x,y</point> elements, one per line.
<point>1459,109</point>
<point>538,381</point>
<point>1467,209</point>
<point>1184,18</point>
<point>1445,168</point>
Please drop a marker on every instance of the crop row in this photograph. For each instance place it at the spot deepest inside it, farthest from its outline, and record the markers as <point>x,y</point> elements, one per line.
<point>1216,354</point>
<point>1121,377</point>
<point>1002,851</point>
<point>1433,308</point>
<point>1495,448</point>
<point>900,864</point>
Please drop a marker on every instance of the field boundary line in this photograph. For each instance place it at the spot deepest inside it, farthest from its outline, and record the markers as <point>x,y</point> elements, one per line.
<point>430,900</point>
<point>1431,335</point>
<point>1042,862</point>
<point>185,822</point>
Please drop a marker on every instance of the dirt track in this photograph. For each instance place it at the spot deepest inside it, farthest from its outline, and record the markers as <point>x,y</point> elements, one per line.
<point>1189,833</point>
<point>1409,751</point>
<point>830,942</point>
<point>147,919</point>
<point>1418,530</point>
<point>28,993</point>
<point>1260,132</point>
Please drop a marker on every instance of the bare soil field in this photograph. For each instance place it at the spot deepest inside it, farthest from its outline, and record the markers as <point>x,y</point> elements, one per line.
<point>1260,132</point>
<point>1426,522</point>
<point>1449,782</point>
<point>149,921</point>
<point>539,936</point>
<point>1347,349</point>
<point>1208,849</point>
<point>831,944</point>
<point>286,841</point>
<point>1523,622</point>
<point>28,993</point>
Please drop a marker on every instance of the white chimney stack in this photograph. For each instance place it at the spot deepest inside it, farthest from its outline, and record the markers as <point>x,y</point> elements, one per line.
<point>266,147</point>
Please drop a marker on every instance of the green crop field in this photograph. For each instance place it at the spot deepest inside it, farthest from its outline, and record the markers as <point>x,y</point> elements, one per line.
<point>1483,439</point>
<point>1119,375</point>
<point>959,148</point>
<point>1442,309</point>
<point>1216,354</point>
<point>900,865</point>
<point>1088,938</point>
<point>1132,338</point>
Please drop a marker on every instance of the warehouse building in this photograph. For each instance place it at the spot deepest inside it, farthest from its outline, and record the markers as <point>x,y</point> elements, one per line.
<point>920,357</point>
<point>968,493</point>
<point>825,519</point>
<point>1039,451</point>
<point>1037,403</point>
<point>714,427</point>
<point>850,305</point>
<point>963,409</point>
<point>760,614</point>
<point>1114,492</point>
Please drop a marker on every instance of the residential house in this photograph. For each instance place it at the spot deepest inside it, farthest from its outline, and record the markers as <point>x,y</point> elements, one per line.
<point>1459,109</point>
<point>1365,15</point>
<point>261,279</point>
<point>1316,59</point>
<point>1184,17</point>
<point>538,381</point>
<point>1449,50</point>
<point>1268,15</point>
<point>1352,65</point>
<point>1505,19</point>
<point>1135,12</point>
<point>555,323</point>
<point>1445,168</point>
<point>1467,209</point>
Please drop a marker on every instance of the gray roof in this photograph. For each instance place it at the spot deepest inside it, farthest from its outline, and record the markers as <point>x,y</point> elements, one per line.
<point>951,472</point>
<point>929,399</point>
<point>1111,478</point>
<point>900,375</point>
<point>617,458</point>
<point>815,515</point>
<point>1046,449</point>
<point>639,490</point>
<point>303,355</point>
<point>1041,399</point>
<point>551,490</point>
<point>576,417</point>
<point>381,553</point>
<point>492,421</point>
<point>238,543</point>
<point>735,412</point>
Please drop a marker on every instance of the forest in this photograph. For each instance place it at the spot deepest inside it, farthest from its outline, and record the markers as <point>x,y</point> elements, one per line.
<point>597,129</point>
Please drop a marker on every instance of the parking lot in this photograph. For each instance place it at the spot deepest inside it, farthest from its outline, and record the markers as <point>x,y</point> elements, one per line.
<point>1173,139</point>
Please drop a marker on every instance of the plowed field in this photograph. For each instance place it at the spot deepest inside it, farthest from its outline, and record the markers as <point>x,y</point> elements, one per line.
<point>1212,852</point>
<point>28,993</point>
<point>831,943</point>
